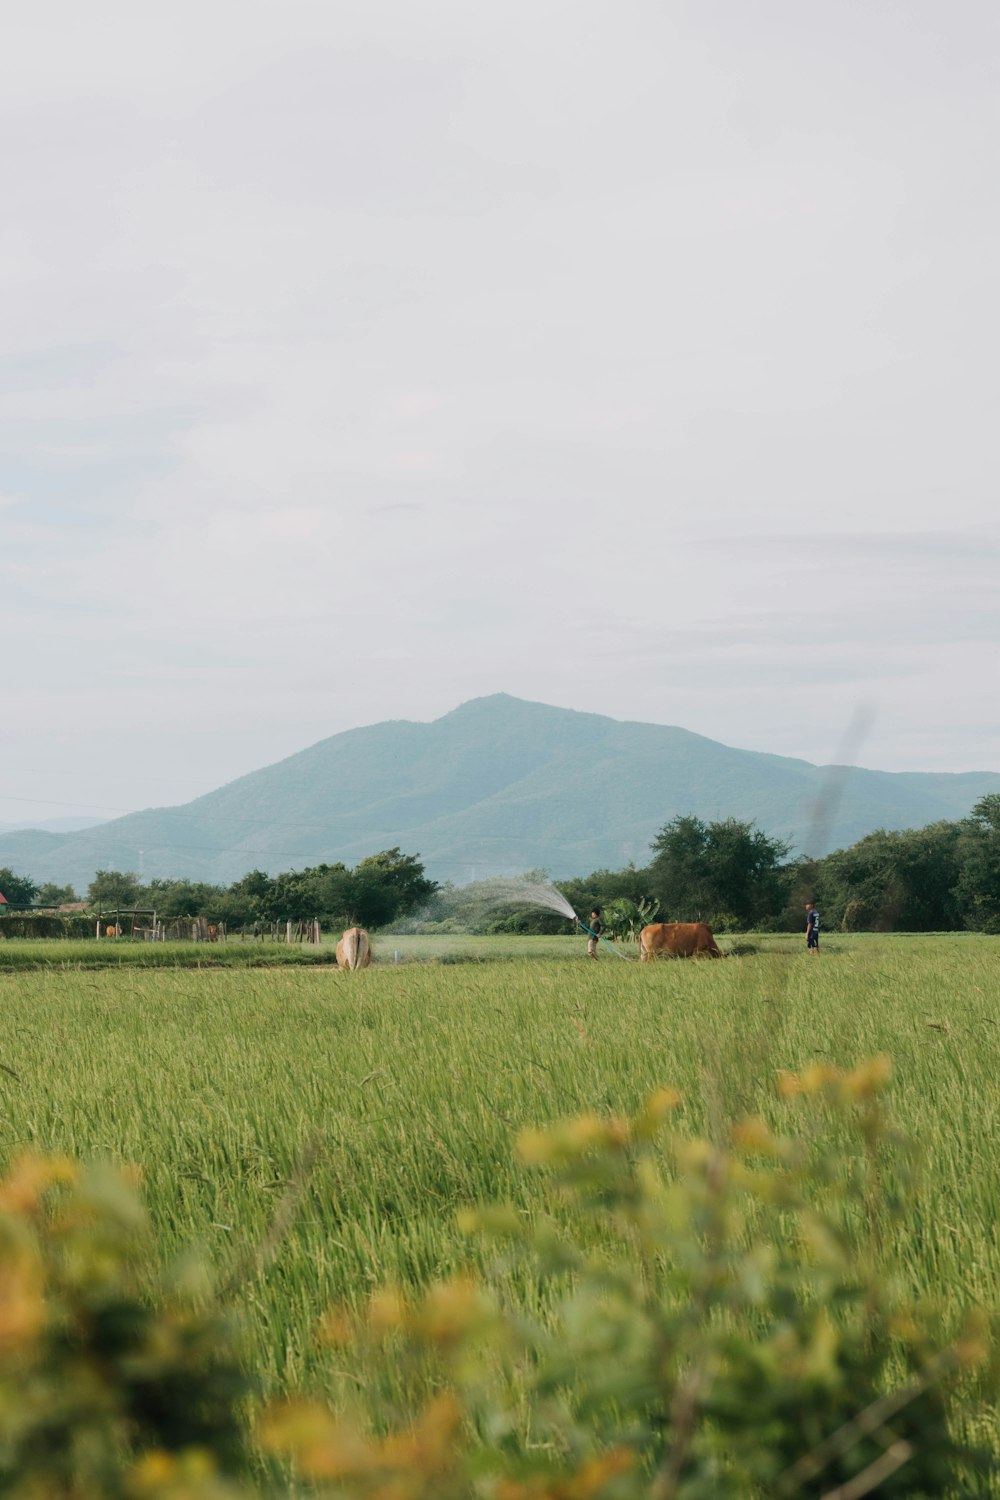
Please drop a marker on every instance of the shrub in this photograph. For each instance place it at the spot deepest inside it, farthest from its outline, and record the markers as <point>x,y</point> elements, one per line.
<point>735,1326</point>
<point>112,1384</point>
<point>733,1337</point>
<point>625,919</point>
<point>46,925</point>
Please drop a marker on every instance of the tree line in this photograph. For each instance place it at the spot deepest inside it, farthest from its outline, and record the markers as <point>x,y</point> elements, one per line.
<point>941,878</point>
<point>374,893</point>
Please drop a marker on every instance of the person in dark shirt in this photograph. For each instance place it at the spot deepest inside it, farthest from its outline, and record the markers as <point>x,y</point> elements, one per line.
<point>595,927</point>
<point>812,928</point>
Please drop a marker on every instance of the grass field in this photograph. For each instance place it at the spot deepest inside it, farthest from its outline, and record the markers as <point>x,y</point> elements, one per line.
<point>411,1080</point>
<point>20,955</point>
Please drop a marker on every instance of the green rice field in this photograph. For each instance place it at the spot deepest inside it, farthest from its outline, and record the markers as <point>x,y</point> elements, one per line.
<point>404,1086</point>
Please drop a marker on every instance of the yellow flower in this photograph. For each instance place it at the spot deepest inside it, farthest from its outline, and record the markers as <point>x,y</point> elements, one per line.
<point>693,1155</point>
<point>585,1484</point>
<point>429,1445</point>
<point>817,1076</point>
<point>658,1106</point>
<point>322,1446</point>
<point>535,1147</point>
<point>152,1472</point>
<point>386,1310</point>
<point>903,1325</point>
<point>585,1132</point>
<point>29,1177</point>
<point>868,1077</point>
<point>973,1346</point>
<point>449,1310</point>
<point>813,1078</point>
<point>754,1134</point>
<point>336,1328</point>
<point>22,1305</point>
<point>569,1139</point>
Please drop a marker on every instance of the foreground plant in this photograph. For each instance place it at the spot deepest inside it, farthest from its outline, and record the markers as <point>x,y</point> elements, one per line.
<point>739,1332</point>
<point>708,1318</point>
<point>112,1382</point>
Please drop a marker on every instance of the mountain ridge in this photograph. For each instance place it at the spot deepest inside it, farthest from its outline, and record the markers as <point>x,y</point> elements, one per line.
<point>497,785</point>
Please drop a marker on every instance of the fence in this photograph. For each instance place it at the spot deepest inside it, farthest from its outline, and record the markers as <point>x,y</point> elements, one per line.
<point>148,927</point>
<point>200,930</point>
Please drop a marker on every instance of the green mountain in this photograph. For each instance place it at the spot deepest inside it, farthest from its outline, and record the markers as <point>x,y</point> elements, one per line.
<point>498,786</point>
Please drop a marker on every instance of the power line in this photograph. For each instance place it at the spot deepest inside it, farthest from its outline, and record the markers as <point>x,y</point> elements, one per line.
<point>56,802</point>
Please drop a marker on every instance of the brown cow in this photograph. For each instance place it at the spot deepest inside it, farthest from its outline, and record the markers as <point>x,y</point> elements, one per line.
<point>677,940</point>
<point>354,950</point>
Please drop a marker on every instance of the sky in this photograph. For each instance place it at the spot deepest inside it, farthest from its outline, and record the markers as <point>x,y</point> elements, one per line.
<point>359,359</point>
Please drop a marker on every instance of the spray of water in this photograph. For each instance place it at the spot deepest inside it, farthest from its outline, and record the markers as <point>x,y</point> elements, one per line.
<point>472,904</point>
<point>499,892</point>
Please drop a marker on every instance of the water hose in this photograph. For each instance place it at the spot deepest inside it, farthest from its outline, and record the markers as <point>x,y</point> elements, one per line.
<point>584,928</point>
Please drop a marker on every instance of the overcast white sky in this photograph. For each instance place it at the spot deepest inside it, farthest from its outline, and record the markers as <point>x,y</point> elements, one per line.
<point>638,356</point>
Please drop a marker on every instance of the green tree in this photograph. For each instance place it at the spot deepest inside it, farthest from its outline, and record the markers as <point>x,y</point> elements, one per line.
<point>111,888</point>
<point>380,888</point>
<point>248,900</point>
<point>55,895</point>
<point>331,892</point>
<point>724,870</point>
<point>902,880</point>
<point>20,890</point>
<point>293,896</point>
<point>804,883</point>
<point>183,898</point>
<point>388,885</point>
<point>602,887</point>
<point>979,879</point>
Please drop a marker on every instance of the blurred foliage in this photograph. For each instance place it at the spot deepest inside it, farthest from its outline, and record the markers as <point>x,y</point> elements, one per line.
<point>740,1330</point>
<point>743,1335</point>
<point>113,1382</point>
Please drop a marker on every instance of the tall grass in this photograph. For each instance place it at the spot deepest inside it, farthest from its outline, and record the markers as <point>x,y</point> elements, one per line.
<point>389,1098</point>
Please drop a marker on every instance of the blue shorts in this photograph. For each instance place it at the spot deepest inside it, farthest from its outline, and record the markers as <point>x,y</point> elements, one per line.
<point>812,938</point>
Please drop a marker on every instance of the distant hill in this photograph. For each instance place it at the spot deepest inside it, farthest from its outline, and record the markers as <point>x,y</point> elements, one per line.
<point>51,825</point>
<point>498,786</point>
